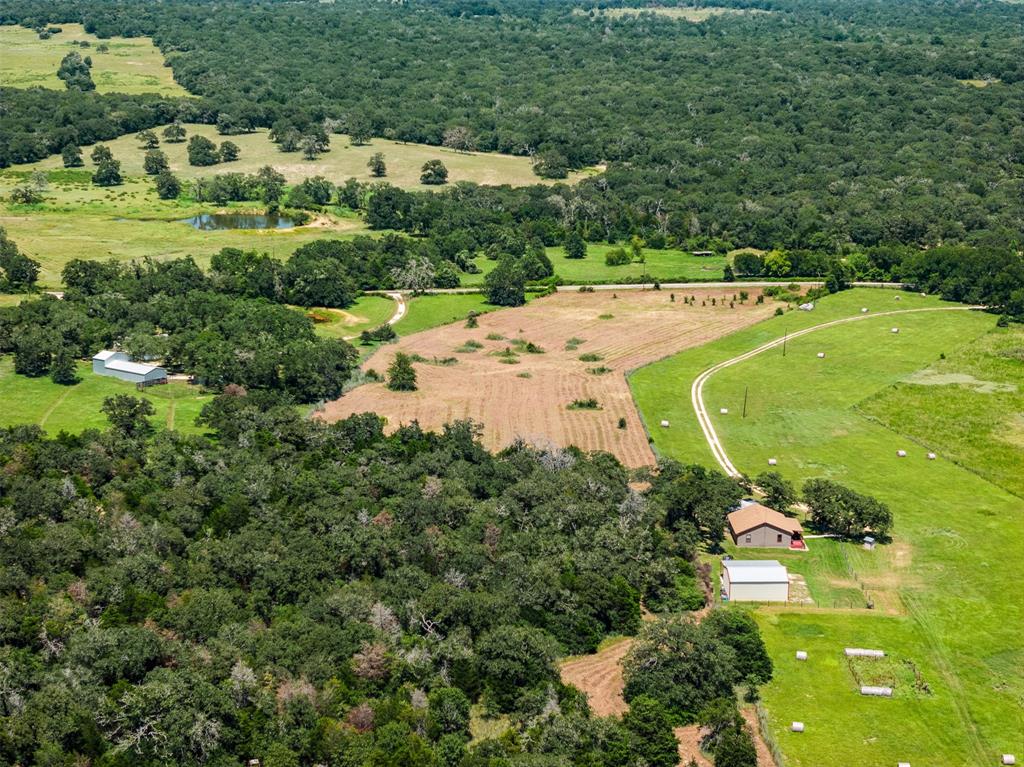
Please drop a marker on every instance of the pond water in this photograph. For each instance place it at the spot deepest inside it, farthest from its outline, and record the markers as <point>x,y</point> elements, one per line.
<point>209,222</point>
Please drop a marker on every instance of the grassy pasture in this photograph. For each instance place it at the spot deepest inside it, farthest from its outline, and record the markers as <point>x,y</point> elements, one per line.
<point>667,265</point>
<point>131,65</point>
<point>974,418</point>
<point>129,222</point>
<point>938,588</point>
<point>75,408</point>
<point>343,161</point>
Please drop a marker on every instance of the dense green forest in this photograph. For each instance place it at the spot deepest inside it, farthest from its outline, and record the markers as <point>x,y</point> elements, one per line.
<point>303,593</point>
<point>808,125</point>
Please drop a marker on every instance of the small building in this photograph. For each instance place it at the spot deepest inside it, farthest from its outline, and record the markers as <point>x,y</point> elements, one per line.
<point>756,526</point>
<point>754,580</point>
<point>117,365</point>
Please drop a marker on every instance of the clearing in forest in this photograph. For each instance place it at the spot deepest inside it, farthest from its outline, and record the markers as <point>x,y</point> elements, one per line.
<point>583,345</point>
<point>127,64</point>
<point>679,12</point>
<point>344,160</point>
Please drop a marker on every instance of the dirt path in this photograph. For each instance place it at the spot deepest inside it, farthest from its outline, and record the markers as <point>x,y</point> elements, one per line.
<point>697,388</point>
<point>464,373</point>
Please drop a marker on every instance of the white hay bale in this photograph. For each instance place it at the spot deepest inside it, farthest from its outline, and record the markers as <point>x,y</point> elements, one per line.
<point>895,330</point>
<point>860,652</point>
<point>878,692</point>
<point>821,355</point>
<point>901,453</point>
<point>897,298</point>
<point>772,462</point>
<point>801,655</point>
<point>724,411</point>
<point>932,456</point>
<point>1009,759</point>
<point>664,424</point>
<point>902,764</point>
<point>863,310</point>
<point>797,727</point>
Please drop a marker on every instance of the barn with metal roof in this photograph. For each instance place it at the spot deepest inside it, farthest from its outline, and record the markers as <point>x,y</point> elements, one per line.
<point>754,580</point>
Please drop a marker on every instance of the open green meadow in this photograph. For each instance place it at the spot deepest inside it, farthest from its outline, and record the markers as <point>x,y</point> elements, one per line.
<point>343,161</point>
<point>667,265</point>
<point>368,312</point>
<point>942,590</point>
<point>56,408</point>
<point>129,65</point>
<point>426,312</point>
<point>129,222</point>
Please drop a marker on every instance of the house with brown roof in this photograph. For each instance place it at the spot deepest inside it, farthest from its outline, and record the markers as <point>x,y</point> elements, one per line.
<point>756,526</point>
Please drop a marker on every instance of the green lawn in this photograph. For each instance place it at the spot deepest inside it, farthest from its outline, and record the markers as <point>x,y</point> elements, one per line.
<point>426,312</point>
<point>130,65</point>
<point>58,408</point>
<point>664,265</point>
<point>938,588</point>
<point>368,312</point>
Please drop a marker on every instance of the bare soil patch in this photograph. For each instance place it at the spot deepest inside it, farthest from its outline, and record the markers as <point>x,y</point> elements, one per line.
<point>599,676</point>
<point>529,398</point>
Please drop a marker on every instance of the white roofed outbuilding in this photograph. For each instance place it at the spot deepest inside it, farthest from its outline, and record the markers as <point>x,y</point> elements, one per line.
<point>754,580</point>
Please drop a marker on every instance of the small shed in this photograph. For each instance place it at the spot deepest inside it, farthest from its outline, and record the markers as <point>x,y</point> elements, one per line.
<point>754,580</point>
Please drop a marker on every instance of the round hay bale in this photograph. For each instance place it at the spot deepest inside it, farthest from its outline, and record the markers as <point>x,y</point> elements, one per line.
<point>901,453</point>
<point>664,424</point>
<point>724,411</point>
<point>797,727</point>
<point>821,355</point>
<point>863,310</point>
<point>895,330</point>
<point>1009,759</point>
<point>932,456</point>
<point>772,462</point>
<point>801,655</point>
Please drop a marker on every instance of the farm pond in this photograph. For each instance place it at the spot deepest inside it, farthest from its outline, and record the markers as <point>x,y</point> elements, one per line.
<point>209,222</point>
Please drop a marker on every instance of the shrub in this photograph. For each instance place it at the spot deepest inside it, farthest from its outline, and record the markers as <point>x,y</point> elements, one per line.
<point>590,357</point>
<point>584,404</point>
<point>380,334</point>
<point>617,257</point>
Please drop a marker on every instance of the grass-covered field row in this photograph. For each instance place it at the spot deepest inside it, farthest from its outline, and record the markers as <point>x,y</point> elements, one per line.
<point>944,604</point>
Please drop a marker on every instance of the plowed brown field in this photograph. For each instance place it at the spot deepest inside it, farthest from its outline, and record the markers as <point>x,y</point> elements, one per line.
<point>643,327</point>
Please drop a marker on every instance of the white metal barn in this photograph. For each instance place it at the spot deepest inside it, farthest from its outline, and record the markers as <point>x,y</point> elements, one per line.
<point>754,580</point>
<point>117,365</point>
